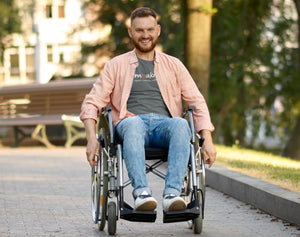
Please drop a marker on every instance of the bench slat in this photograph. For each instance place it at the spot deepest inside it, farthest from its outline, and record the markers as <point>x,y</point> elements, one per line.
<point>32,120</point>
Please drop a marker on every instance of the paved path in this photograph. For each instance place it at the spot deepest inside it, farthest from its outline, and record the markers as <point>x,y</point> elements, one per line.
<point>46,192</point>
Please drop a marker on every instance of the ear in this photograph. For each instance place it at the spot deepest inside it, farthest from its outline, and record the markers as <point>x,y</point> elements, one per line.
<point>130,32</point>
<point>158,30</point>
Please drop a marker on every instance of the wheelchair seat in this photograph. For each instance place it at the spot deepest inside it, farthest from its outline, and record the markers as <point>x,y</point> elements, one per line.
<point>156,153</point>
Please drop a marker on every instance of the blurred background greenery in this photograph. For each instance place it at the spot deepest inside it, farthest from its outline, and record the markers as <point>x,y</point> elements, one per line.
<point>243,55</point>
<point>254,75</point>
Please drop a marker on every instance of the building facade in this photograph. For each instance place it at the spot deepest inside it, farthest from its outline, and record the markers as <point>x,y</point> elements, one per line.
<point>50,43</point>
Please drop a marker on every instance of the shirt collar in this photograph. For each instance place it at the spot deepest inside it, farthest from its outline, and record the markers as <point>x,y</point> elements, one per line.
<point>133,58</point>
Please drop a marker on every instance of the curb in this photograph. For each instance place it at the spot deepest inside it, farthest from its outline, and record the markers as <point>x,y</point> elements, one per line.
<point>270,198</point>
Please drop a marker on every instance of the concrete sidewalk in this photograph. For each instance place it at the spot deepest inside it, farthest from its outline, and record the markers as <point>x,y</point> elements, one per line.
<point>46,192</point>
<point>273,199</point>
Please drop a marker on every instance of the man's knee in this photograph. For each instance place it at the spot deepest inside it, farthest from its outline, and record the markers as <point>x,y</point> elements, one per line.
<point>181,127</point>
<point>180,130</point>
<point>131,126</point>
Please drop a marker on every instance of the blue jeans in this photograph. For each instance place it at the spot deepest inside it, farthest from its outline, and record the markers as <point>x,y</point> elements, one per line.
<point>153,130</point>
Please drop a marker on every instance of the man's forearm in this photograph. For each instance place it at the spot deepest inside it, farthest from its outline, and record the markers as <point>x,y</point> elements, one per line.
<point>206,134</point>
<point>90,128</point>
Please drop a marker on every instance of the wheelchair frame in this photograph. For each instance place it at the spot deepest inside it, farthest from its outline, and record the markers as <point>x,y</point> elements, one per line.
<point>107,181</point>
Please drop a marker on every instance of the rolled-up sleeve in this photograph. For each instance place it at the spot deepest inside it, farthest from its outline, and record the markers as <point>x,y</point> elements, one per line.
<point>99,96</point>
<point>191,94</point>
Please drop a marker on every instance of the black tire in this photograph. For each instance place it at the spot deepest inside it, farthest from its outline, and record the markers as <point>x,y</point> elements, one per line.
<point>104,181</point>
<point>112,218</point>
<point>94,195</point>
<point>198,222</point>
<point>99,189</point>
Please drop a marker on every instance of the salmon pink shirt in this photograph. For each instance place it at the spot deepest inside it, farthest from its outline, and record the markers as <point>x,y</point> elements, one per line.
<point>114,84</point>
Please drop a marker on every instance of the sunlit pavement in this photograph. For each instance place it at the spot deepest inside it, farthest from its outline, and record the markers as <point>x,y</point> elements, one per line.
<point>46,192</point>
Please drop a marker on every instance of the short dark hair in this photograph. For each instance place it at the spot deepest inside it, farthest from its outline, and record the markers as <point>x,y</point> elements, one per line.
<point>143,12</point>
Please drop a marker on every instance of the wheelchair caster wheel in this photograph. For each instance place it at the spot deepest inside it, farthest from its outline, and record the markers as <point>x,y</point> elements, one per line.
<point>112,218</point>
<point>190,224</point>
<point>198,222</point>
<point>197,225</point>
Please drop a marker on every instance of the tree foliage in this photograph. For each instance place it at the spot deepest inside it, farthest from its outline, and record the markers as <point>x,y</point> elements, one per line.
<point>254,62</point>
<point>292,148</point>
<point>9,22</point>
<point>117,12</point>
<point>253,68</point>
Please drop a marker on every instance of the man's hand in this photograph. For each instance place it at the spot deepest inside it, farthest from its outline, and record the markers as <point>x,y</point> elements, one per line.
<point>92,151</point>
<point>209,153</point>
<point>208,148</point>
<point>92,147</point>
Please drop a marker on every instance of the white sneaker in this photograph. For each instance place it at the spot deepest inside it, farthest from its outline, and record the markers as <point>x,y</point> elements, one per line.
<point>172,202</point>
<point>145,202</point>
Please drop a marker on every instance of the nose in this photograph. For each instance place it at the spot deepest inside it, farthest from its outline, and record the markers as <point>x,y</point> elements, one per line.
<point>145,34</point>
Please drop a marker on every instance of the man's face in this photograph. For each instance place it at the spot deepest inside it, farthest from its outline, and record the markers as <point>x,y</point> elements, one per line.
<point>144,32</point>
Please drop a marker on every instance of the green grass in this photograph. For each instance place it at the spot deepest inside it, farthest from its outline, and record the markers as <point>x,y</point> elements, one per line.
<point>278,170</point>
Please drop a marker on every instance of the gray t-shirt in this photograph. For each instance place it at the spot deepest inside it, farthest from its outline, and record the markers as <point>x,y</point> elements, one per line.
<point>145,96</point>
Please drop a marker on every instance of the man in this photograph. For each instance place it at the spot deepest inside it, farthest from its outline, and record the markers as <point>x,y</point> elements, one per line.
<point>145,88</point>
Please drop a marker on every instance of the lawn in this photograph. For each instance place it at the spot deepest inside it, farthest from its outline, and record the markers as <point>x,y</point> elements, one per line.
<point>274,169</point>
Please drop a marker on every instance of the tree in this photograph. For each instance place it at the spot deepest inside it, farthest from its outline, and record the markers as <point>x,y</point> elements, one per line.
<point>116,14</point>
<point>198,42</point>
<point>292,148</point>
<point>236,82</point>
<point>253,70</point>
<point>9,23</point>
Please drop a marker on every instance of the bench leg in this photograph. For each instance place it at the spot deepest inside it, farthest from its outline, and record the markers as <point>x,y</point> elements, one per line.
<point>72,133</point>
<point>19,135</point>
<point>39,134</point>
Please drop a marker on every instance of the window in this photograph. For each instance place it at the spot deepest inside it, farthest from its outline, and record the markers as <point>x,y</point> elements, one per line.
<point>49,53</point>
<point>30,67</point>
<point>49,13</point>
<point>61,11</point>
<point>14,64</point>
<point>55,9</point>
<point>61,57</point>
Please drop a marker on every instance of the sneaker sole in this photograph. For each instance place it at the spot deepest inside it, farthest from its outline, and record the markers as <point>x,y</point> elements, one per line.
<point>147,206</point>
<point>178,205</point>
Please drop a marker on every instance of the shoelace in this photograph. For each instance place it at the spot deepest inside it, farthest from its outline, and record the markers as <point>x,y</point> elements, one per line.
<point>144,195</point>
<point>169,196</point>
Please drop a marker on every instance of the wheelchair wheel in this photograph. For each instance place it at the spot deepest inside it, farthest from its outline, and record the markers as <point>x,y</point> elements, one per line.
<point>94,195</point>
<point>100,186</point>
<point>198,222</point>
<point>112,218</point>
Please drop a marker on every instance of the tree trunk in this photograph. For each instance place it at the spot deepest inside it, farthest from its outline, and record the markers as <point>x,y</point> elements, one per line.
<point>198,42</point>
<point>292,148</point>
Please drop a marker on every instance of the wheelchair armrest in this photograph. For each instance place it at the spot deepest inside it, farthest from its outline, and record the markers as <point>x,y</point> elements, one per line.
<point>106,113</point>
<point>189,111</point>
<point>107,109</point>
<point>191,107</point>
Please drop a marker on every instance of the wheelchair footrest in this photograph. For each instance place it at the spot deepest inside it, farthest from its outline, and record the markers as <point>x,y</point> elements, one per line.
<point>129,214</point>
<point>192,212</point>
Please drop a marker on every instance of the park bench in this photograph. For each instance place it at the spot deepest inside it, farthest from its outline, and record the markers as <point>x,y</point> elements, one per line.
<point>39,105</point>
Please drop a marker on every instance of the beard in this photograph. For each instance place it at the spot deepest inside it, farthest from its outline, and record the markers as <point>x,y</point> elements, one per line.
<point>145,49</point>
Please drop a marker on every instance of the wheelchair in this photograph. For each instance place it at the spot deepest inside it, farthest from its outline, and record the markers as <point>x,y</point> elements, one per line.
<point>107,181</point>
